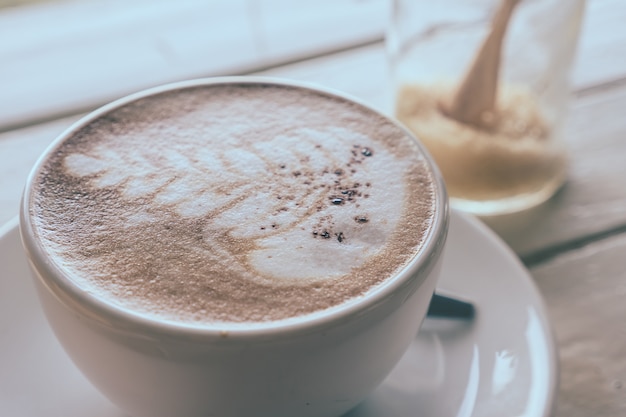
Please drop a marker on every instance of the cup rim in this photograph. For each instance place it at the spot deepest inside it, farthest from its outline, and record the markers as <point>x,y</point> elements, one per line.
<point>122,319</point>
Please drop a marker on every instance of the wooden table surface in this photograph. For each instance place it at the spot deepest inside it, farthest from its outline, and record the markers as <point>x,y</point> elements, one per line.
<point>574,246</point>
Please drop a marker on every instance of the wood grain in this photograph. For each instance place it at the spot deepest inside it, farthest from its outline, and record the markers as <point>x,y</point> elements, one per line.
<point>584,291</point>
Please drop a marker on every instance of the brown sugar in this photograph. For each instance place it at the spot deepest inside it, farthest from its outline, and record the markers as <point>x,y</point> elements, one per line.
<point>515,156</point>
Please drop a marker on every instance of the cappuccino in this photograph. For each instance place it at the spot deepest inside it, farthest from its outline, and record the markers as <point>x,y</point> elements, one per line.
<point>239,202</point>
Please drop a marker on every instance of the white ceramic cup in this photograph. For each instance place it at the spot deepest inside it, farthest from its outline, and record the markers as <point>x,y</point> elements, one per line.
<point>320,365</point>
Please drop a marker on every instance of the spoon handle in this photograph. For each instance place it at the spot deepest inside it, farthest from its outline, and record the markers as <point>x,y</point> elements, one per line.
<point>442,306</point>
<point>474,102</point>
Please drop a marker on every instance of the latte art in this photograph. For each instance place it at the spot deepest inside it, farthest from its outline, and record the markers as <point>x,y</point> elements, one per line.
<point>234,203</point>
<point>318,182</point>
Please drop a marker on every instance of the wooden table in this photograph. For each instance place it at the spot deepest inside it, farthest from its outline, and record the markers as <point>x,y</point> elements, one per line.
<point>574,246</point>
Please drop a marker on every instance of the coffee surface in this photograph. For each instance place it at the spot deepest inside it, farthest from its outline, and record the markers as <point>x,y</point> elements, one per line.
<point>233,203</point>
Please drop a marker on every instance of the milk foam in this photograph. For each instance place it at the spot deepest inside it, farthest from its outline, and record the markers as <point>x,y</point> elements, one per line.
<point>223,203</point>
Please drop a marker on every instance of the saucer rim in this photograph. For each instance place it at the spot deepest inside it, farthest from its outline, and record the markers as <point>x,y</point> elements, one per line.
<point>538,302</point>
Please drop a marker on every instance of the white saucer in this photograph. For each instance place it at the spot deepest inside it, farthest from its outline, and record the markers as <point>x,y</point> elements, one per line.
<point>502,363</point>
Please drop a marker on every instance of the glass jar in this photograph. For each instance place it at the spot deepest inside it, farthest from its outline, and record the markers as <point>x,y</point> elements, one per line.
<point>512,156</point>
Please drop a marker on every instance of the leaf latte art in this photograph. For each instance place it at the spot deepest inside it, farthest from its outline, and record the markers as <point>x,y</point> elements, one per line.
<point>238,203</point>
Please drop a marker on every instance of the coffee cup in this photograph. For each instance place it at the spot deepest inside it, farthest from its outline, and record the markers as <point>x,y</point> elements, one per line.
<point>235,246</point>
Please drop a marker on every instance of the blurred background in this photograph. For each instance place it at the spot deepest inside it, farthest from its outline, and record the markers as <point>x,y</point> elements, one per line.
<point>60,57</point>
